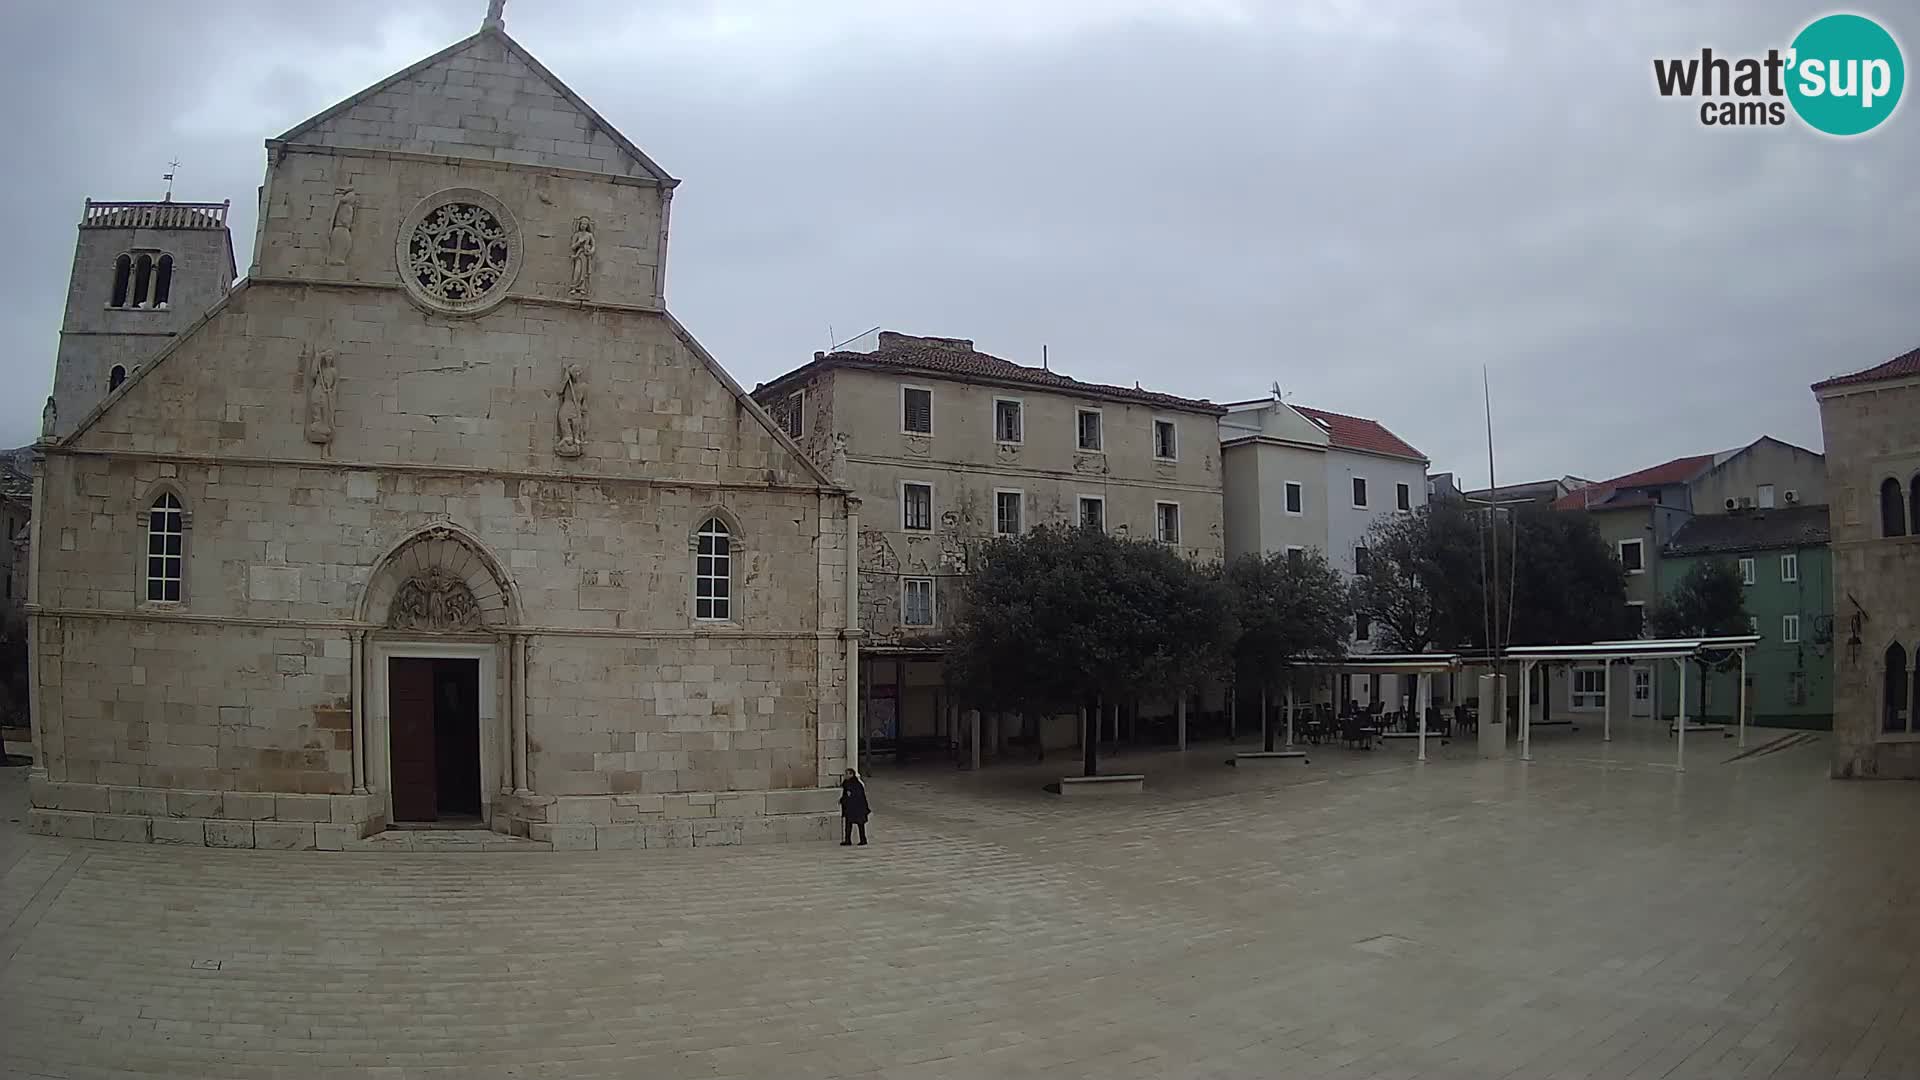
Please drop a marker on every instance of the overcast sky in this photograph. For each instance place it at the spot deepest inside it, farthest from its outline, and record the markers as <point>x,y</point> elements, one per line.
<point>1362,200</point>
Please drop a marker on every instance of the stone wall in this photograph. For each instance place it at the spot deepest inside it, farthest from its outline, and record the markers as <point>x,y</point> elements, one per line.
<point>1871,434</point>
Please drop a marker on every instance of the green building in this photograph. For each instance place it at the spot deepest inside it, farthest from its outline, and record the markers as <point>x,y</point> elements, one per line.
<point>1783,558</point>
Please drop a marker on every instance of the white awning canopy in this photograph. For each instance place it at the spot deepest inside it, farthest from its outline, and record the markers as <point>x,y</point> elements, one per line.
<point>1395,662</point>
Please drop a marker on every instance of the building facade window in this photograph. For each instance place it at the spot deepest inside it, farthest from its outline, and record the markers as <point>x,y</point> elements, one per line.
<point>166,549</point>
<point>1789,568</point>
<point>1093,512</point>
<point>142,280</point>
<point>122,281</point>
<point>1296,555</point>
<point>916,601</point>
<point>1007,507</point>
<point>1632,557</point>
<point>1166,516</point>
<point>1913,504</point>
<point>916,507</point>
<point>1402,497</point>
<point>1009,425</point>
<point>713,572</point>
<point>794,420</point>
<point>115,377</point>
<point>1362,562</point>
<point>1894,715</point>
<point>1589,688</point>
<point>1790,629</point>
<point>916,410</point>
<point>1642,685</point>
<point>1763,497</point>
<point>1089,435</point>
<point>1361,628</point>
<point>1636,618</point>
<point>1360,492</point>
<point>1746,572</point>
<point>1166,445</point>
<point>1893,512</point>
<point>1296,498</point>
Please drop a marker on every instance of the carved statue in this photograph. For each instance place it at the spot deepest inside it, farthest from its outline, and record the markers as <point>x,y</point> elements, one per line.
<point>572,418</point>
<point>322,376</point>
<point>436,602</point>
<point>837,460</point>
<point>346,203</point>
<point>582,257</point>
<point>49,416</point>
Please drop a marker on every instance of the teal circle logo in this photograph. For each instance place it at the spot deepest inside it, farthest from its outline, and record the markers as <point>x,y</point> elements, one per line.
<point>1845,74</point>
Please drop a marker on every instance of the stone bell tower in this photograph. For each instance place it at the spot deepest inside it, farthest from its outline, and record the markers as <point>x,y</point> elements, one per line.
<point>142,273</point>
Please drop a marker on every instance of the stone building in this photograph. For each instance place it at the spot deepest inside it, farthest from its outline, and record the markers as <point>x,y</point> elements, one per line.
<point>946,446</point>
<point>1871,420</point>
<point>439,516</point>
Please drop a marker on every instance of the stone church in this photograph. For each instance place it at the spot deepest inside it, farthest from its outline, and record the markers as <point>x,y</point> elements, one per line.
<point>439,517</point>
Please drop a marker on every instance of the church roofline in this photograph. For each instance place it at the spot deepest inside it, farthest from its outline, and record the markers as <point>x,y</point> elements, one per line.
<point>653,168</point>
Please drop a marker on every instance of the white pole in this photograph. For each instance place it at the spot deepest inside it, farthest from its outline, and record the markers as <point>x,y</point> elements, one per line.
<point>1289,710</point>
<point>1183,720</point>
<point>1606,685</point>
<point>1526,710</point>
<point>1425,692</point>
<point>1680,725</point>
<point>1743,699</point>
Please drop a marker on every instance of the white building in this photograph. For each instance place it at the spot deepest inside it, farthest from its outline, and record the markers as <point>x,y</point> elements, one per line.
<point>1298,478</point>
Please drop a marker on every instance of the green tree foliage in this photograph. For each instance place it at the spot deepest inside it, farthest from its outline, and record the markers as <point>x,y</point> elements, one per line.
<point>1057,616</point>
<point>1291,609</point>
<point>1556,580</point>
<point>1710,600</point>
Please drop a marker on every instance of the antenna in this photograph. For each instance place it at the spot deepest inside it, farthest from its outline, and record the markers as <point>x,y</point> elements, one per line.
<point>172,167</point>
<point>1043,359</point>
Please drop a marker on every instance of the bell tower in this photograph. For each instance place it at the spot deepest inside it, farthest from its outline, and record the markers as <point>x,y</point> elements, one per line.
<point>142,272</point>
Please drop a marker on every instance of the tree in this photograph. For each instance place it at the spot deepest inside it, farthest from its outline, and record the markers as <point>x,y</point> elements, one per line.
<point>1291,608</point>
<point>1059,617</point>
<point>1710,600</point>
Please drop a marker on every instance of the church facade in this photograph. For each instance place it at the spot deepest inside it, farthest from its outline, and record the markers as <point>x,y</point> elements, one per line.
<point>439,517</point>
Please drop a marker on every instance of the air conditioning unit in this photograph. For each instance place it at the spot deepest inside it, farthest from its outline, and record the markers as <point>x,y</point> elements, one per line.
<point>1792,496</point>
<point>1731,504</point>
<point>1746,502</point>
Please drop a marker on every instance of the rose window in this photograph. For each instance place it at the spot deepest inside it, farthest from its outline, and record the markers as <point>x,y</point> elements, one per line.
<point>459,253</point>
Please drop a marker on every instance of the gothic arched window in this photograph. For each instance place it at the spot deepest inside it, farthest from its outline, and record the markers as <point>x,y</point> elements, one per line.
<point>122,280</point>
<point>713,571</point>
<point>1893,511</point>
<point>115,377</point>
<point>1894,695</point>
<point>166,551</point>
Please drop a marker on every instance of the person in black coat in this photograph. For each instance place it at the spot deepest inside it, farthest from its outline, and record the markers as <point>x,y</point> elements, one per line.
<point>853,807</point>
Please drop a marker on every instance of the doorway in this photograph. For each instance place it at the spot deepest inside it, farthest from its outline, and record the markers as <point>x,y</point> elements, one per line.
<point>1642,691</point>
<point>434,739</point>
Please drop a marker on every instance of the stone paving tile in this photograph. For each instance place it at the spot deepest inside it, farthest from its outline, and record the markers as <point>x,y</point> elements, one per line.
<point>1591,916</point>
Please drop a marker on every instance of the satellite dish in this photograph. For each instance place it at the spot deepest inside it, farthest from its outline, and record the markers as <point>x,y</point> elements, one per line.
<point>1277,395</point>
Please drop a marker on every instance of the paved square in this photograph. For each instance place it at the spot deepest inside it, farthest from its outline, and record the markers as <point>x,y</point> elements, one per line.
<point>1591,915</point>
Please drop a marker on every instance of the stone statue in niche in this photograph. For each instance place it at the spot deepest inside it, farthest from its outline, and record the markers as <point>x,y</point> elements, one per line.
<point>572,418</point>
<point>436,602</point>
<point>837,459</point>
<point>582,282</point>
<point>49,417</point>
<point>322,377</point>
<point>346,203</point>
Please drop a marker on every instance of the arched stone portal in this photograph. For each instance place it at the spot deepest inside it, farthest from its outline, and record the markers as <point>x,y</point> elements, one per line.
<point>439,672</point>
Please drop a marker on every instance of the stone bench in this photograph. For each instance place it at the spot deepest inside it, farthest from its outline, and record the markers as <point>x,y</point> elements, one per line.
<point>1114,784</point>
<point>1258,757</point>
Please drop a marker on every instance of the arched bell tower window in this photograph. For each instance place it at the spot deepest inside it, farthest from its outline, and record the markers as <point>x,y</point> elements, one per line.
<point>115,377</point>
<point>142,281</point>
<point>1893,509</point>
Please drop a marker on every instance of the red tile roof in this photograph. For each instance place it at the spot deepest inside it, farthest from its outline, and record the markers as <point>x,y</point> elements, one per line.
<point>1359,433</point>
<point>1903,366</point>
<point>1678,471</point>
<point>956,357</point>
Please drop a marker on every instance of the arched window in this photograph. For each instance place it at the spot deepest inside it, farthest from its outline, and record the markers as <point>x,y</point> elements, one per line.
<point>163,281</point>
<point>713,571</point>
<point>115,377</point>
<point>122,278</point>
<point>166,534</point>
<point>1913,505</point>
<point>1895,692</point>
<point>1893,512</point>
<point>142,280</point>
